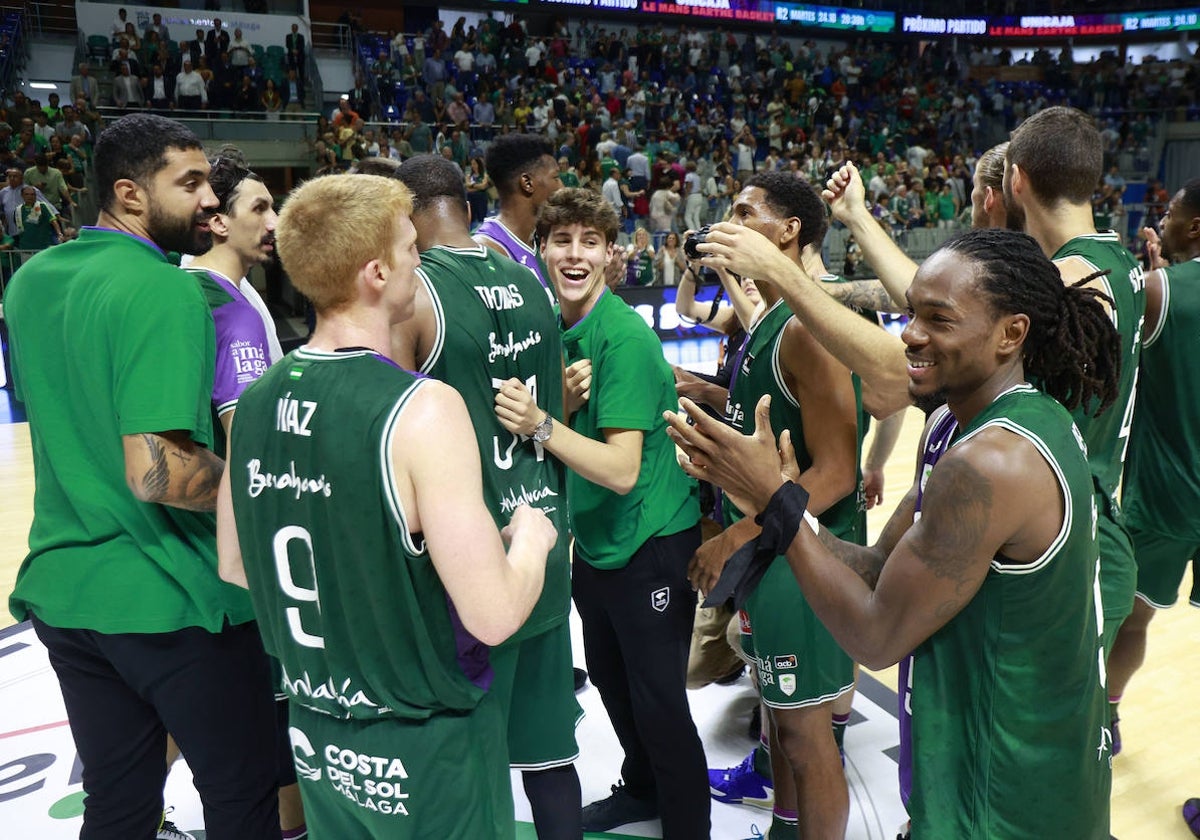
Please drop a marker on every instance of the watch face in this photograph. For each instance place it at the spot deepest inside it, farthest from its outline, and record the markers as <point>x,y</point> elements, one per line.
<point>541,432</point>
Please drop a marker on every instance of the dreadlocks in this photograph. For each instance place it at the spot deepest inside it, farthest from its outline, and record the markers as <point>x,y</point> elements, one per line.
<point>1072,349</point>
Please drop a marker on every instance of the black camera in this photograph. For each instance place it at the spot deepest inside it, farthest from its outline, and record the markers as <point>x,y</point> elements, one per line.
<point>704,274</point>
<point>691,245</point>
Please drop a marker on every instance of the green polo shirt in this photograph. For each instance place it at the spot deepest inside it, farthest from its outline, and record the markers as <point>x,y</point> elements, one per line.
<point>632,385</point>
<point>108,339</point>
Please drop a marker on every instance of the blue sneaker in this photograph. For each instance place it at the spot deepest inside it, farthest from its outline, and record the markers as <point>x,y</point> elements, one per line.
<point>741,785</point>
<point>1116,735</point>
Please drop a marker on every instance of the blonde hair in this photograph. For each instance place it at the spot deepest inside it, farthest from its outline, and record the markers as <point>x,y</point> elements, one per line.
<point>331,226</point>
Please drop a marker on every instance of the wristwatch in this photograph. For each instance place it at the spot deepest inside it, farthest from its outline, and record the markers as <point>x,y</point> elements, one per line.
<point>541,432</point>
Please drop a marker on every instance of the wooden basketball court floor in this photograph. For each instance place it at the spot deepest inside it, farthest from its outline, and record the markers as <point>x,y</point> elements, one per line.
<point>1159,768</point>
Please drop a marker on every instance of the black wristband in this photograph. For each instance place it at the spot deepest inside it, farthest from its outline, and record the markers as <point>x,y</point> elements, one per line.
<point>745,568</point>
<point>781,518</point>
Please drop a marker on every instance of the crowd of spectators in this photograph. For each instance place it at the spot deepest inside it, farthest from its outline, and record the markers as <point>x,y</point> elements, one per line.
<point>45,154</point>
<point>214,69</point>
<point>667,124</point>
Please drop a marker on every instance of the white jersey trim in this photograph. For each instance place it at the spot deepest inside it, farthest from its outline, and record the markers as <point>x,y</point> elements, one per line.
<point>479,251</point>
<point>439,317</point>
<point>777,368</point>
<point>1068,514</point>
<point>307,352</point>
<point>1163,310</point>
<point>390,488</point>
<point>815,701</point>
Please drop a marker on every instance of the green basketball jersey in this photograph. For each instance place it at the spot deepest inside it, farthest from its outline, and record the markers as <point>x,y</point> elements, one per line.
<point>495,323</point>
<point>758,372</point>
<point>1009,715</point>
<point>1108,435</point>
<point>1162,488</point>
<point>346,596</point>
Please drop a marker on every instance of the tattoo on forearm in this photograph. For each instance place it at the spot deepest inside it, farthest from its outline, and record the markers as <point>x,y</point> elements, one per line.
<point>201,490</point>
<point>862,560</point>
<point>862,294</point>
<point>157,479</point>
<point>196,476</point>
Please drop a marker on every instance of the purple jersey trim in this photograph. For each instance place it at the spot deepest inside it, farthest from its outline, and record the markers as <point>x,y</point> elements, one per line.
<point>941,433</point>
<point>472,654</point>
<point>243,354</point>
<point>519,251</point>
<point>125,233</point>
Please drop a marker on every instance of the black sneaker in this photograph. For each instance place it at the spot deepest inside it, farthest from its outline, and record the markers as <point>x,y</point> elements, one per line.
<point>169,831</point>
<point>754,730</point>
<point>732,677</point>
<point>581,678</point>
<point>619,809</point>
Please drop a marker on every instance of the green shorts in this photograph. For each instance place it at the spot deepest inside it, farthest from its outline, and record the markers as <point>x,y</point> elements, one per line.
<point>534,681</point>
<point>798,662</point>
<point>1161,562</point>
<point>446,776</point>
<point>1118,572</point>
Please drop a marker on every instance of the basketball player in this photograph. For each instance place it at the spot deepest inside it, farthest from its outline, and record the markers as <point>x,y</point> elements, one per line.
<point>874,354</point>
<point>370,555</point>
<point>800,669</point>
<point>523,168</point>
<point>751,782</point>
<point>988,568</point>
<point>121,582</point>
<point>1054,160</point>
<point>636,523</point>
<point>243,232</point>
<point>1162,486</point>
<point>480,320</point>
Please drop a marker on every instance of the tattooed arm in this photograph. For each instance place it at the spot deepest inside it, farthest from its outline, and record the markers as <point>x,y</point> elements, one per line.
<point>991,495</point>
<point>169,468</point>
<point>862,294</point>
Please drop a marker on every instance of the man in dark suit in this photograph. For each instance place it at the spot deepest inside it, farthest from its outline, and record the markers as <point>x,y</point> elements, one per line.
<point>359,96</point>
<point>216,43</point>
<point>195,48</point>
<point>295,56</point>
<point>292,92</point>
<point>159,89</point>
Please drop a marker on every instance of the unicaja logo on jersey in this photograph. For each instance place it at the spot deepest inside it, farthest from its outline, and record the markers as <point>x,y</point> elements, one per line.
<point>660,598</point>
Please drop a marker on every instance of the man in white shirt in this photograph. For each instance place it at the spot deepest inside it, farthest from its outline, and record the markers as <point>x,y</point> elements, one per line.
<point>611,190</point>
<point>190,91</point>
<point>10,198</point>
<point>465,60</point>
<point>239,50</point>
<point>639,163</point>
<point>118,24</point>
